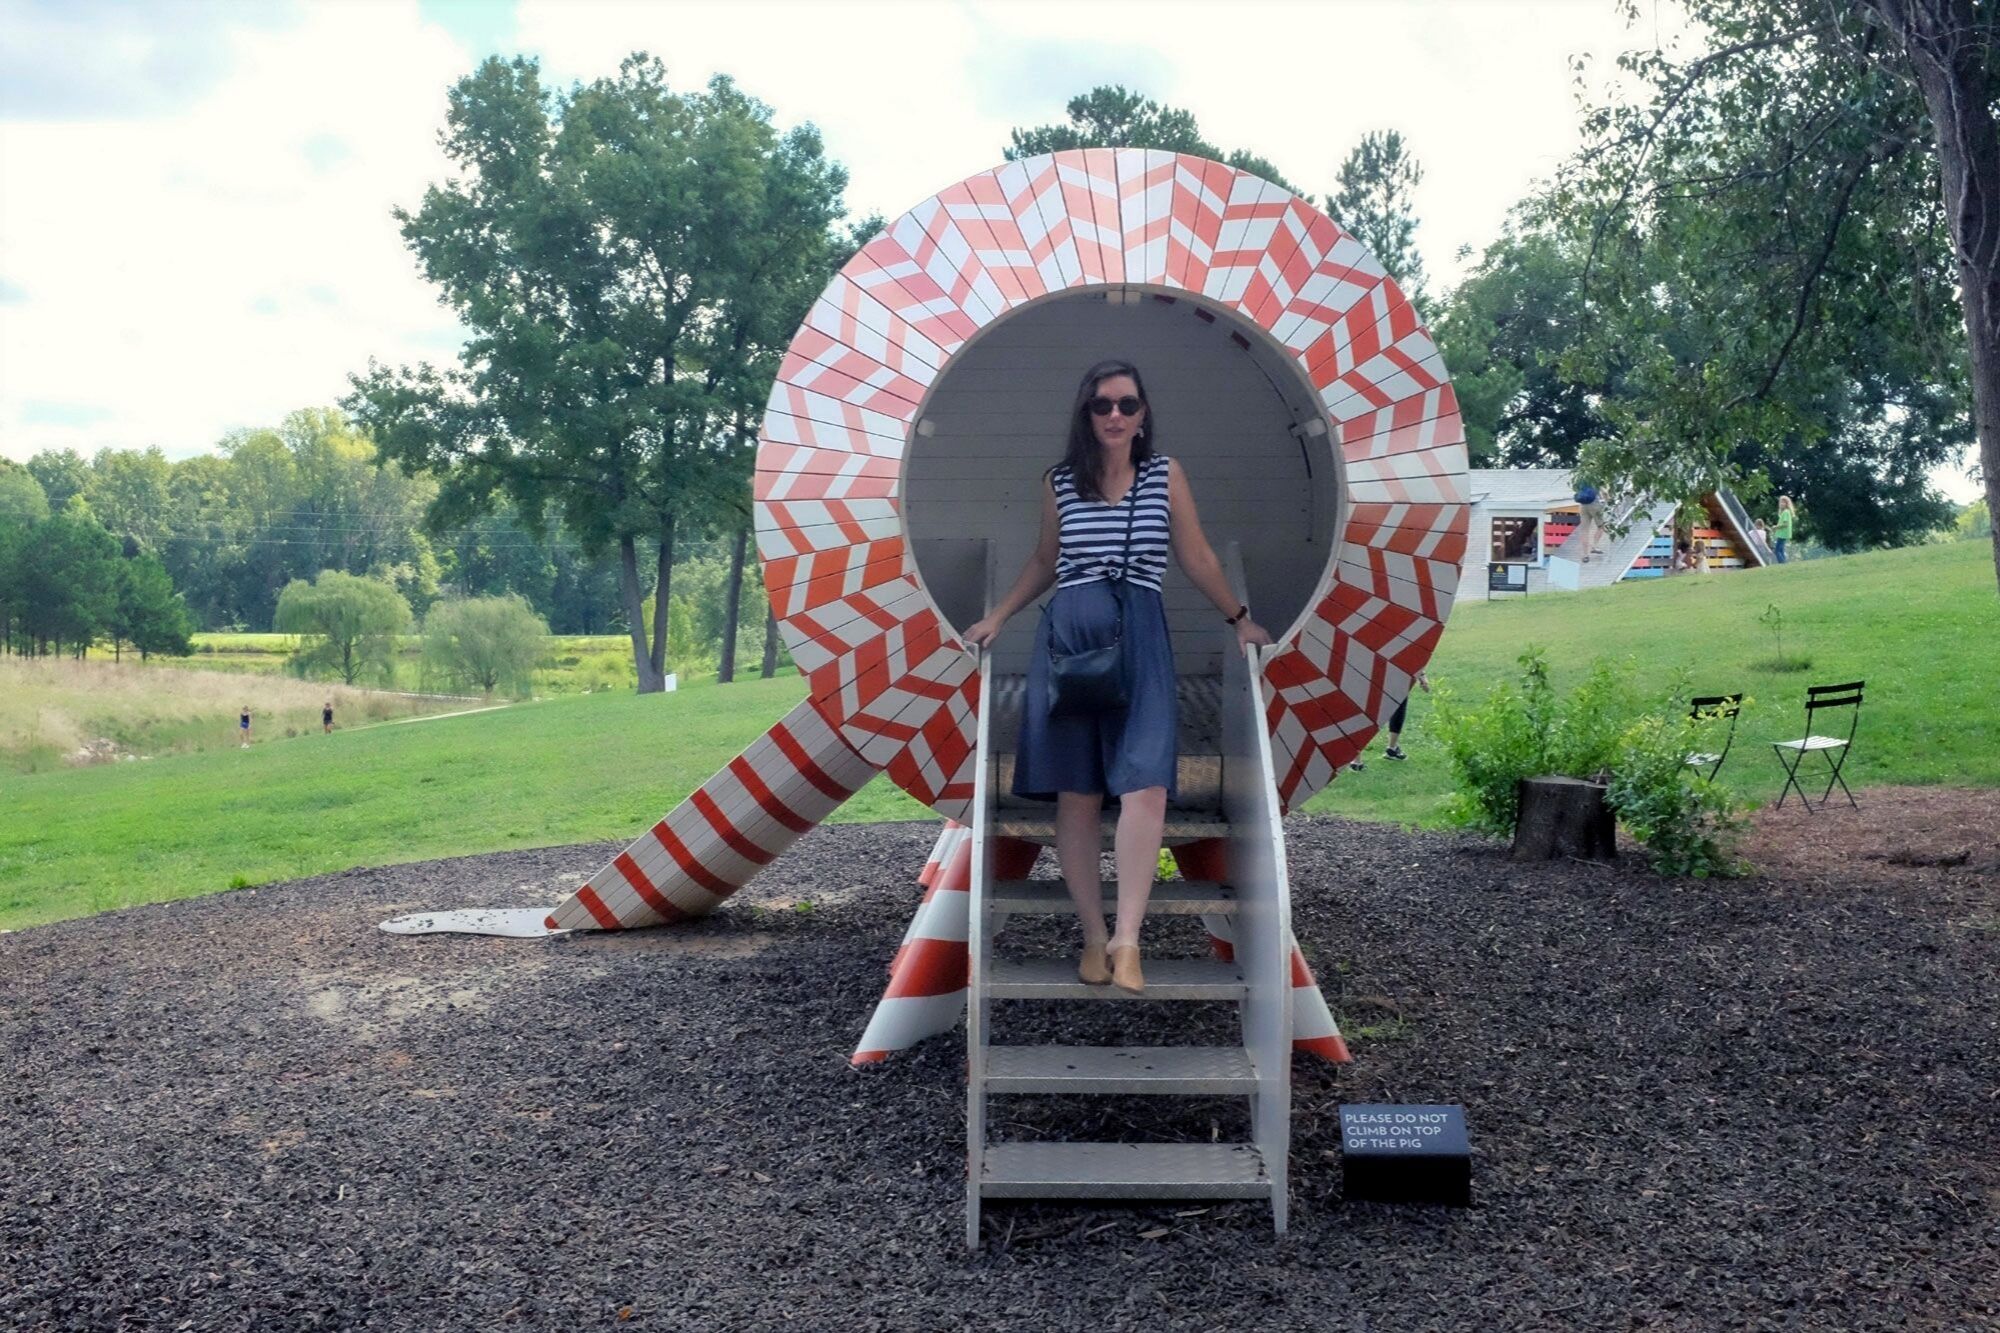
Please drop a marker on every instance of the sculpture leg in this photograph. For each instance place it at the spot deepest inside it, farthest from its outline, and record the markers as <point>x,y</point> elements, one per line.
<point>1314,1030</point>
<point>711,844</point>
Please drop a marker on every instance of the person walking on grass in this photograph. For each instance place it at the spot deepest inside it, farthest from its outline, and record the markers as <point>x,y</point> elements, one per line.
<point>1781,531</point>
<point>1394,750</point>
<point>243,726</point>
<point>326,717</point>
<point>1112,512</point>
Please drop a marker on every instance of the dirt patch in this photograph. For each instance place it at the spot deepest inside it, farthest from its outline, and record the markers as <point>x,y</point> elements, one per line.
<point>1938,846</point>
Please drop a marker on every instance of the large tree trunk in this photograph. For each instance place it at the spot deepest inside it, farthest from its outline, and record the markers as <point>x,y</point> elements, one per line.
<point>663,584</point>
<point>1947,53</point>
<point>1564,817</point>
<point>770,640</point>
<point>732,605</point>
<point>650,680</point>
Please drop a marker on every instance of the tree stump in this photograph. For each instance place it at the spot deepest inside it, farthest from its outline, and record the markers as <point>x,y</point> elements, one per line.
<point>1564,817</point>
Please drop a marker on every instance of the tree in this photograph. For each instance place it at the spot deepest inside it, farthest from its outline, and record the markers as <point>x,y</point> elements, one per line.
<point>66,581</point>
<point>1504,332</point>
<point>13,535</point>
<point>1110,116</point>
<point>1974,522</point>
<point>488,642</point>
<point>149,615</point>
<point>128,491</point>
<point>1792,234</point>
<point>62,473</point>
<point>347,624</point>
<point>1374,203</point>
<point>21,498</point>
<point>591,244</point>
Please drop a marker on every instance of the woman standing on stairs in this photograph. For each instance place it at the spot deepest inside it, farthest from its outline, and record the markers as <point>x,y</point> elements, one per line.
<point>1111,512</point>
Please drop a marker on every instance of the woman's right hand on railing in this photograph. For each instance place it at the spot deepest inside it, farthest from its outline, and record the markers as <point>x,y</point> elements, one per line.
<point>982,633</point>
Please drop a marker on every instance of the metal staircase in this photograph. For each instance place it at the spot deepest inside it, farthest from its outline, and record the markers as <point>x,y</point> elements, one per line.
<point>1258,981</point>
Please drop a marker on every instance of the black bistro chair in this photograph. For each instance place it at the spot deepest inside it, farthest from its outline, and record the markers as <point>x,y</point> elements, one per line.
<point>1833,749</point>
<point>1715,707</point>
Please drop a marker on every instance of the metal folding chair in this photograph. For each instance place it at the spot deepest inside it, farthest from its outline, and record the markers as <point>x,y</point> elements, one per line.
<point>1833,749</point>
<point>1714,707</point>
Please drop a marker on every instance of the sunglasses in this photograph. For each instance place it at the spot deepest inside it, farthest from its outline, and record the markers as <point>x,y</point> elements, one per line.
<point>1128,406</point>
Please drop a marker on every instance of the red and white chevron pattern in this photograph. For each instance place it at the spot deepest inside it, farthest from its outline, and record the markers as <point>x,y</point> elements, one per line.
<point>829,530</point>
<point>891,687</point>
<point>709,845</point>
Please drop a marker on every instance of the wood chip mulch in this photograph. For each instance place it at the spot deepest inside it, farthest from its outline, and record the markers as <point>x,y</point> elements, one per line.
<point>1768,1103</point>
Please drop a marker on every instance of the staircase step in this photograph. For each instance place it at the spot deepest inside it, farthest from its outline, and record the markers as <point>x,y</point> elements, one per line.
<point>1181,826</point>
<point>1183,1070</point>
<point>1173,897</point>
<point>1123,1171</point>
<point>1166,979</point>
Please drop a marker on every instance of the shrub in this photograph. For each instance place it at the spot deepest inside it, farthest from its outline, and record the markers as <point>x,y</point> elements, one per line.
<point>1687,824</point>
<point>488,643</point>
<point>1603,731</point>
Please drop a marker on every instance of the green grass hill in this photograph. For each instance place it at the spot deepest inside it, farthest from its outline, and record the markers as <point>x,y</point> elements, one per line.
<point>1922,626</point>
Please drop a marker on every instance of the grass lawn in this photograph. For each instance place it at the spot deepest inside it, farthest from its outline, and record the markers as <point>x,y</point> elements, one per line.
<point>563,770</point>
<point>1921,626</point>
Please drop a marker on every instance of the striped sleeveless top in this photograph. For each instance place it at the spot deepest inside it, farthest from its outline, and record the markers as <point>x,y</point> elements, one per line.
<point>1093,531</point>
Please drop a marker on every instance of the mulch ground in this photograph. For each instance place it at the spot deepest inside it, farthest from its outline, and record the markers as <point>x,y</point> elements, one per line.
<point>1764,1103</point>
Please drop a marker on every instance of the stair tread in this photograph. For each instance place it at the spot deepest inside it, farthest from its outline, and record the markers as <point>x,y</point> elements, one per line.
<point>1166,979</point>
<point>1195,1070</point>
<point>1114,1170</point>
<point>1176,896</point>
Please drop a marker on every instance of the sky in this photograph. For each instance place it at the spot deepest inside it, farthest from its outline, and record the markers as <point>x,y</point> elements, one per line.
<point>195,195</point>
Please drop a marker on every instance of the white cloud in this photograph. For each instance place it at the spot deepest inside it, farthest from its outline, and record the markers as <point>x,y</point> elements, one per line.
<point>222,264</point>
<point>219,263</point>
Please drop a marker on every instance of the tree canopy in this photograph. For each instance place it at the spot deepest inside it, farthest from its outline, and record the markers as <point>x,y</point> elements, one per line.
<point>1111,116</point>
<point>1768,267</point>
<point>1375,203</point>
<point>486,643</point>
<point>618,251</point>
<point>346,625</point>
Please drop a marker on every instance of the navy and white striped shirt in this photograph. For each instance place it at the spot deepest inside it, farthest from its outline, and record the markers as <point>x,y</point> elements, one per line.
<point>1093,531</point>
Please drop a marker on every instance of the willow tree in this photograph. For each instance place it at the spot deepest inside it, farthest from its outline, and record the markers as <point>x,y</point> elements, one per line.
<point>593,244</point>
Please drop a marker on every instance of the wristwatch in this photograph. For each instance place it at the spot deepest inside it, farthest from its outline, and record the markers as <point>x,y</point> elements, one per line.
<point>1241,612</point>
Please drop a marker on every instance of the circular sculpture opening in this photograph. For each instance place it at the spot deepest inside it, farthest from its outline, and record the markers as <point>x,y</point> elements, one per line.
<point>927,390</point>
<point>1236,412</point>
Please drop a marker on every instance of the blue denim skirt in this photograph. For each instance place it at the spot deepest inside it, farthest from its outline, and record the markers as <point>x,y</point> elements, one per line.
<point>1111,753</point>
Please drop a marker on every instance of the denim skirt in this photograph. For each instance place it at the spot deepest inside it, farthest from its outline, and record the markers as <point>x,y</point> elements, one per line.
<point>1110,753</point>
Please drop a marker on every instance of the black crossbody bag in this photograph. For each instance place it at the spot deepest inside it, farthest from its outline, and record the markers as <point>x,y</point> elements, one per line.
<point>1092,682</point>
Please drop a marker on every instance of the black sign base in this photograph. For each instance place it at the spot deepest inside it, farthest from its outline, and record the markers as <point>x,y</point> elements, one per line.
<point>1406,1154</point>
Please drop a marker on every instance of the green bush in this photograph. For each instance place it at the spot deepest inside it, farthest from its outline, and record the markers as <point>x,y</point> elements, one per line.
<point>1603,731</point>
<point>1687,824</point>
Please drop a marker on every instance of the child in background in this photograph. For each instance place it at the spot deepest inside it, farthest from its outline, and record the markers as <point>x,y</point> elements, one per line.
<point>243,726</point>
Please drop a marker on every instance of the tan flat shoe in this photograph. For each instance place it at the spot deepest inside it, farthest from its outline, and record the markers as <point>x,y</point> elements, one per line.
<point>1093,971</point>
<point>1125,973</point>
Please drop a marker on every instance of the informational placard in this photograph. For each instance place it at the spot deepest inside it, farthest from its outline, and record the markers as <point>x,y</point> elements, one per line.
<point>1506,577</point>
<point>1406,1154</point>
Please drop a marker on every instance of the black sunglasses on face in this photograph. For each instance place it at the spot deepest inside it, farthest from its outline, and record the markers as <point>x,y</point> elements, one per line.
<point>1128,406</point>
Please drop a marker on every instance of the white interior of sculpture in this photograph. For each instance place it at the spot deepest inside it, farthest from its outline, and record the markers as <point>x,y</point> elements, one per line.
<point>1229,404</point>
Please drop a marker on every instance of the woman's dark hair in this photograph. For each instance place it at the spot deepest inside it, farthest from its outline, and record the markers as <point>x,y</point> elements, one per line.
<point>1082,455</point>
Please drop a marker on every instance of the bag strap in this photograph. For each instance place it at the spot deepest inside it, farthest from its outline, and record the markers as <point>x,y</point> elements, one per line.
<point>1125,558</point>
